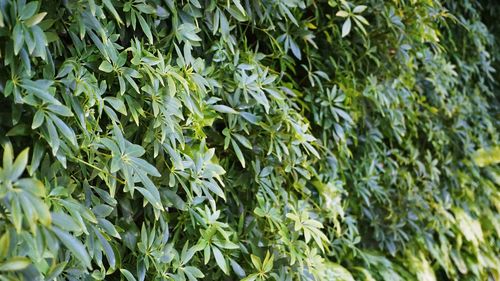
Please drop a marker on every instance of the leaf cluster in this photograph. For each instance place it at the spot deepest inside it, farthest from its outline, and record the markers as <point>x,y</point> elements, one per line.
<point>254,140</point>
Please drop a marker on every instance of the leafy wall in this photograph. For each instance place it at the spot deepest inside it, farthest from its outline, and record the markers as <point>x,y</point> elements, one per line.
<point>264,140</point>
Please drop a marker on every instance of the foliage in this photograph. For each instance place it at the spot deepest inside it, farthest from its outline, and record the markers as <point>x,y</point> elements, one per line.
<point>254,140</point>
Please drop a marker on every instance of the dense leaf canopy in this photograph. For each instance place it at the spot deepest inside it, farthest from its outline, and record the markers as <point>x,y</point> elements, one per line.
<point>246,139</point>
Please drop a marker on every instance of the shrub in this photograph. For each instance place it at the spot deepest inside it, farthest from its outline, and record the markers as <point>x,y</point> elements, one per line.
<point>243,139</point>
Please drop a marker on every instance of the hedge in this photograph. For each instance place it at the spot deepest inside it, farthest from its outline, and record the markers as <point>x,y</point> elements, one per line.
<point>245,139</point>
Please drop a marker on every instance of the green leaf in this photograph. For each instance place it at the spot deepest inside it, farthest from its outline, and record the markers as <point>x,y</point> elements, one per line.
<point>295,49</point>
<point>346,27</point>
<point>111,8</point>
<point>150,197</point>
<point>18,37</point>
<point>40,88</point>
<point>74,246</point>
<point>14,264</point>
<point>244,141</point>
<point>145,28</point>
<point>55,271</point>
<point>65,222</point>
<point>4,245</point>
<point>238,152</point>
<point>145,166</point>
<point>19,130</point>
<point>221,261</point>
<point>117,104</point>
<point>108,227</point>
<point>193,273</point>
<point>252,118</point>
<point>17,216</point>
<point>175,199</point>
<point>105,66</point>
<point>8,156</point>
<point>60,110</point>
<point>38,154</point>
<point>333,270</point>
<point>224,109</point>
<point>268,263</point>
<point>110,255</point>
<point>32,185</point>
<point>19,165</point>
<point>251,277</point>
<point>215,189</point>
<point>342,14</point>
<point>485,157</point>
<point>127,274</point>
<point>237,268</point>
<point>28,10</point>
<point>359,9</point>
<point>65,130</point>
<point>256,262</point>
<point>239,6</point>
<point>42,210</point>
<point>36,19</point>
<point>38,119</point>
<point>102,210</point>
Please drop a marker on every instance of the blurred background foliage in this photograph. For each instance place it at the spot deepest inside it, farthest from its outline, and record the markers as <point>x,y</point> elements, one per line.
<point>245,139</point>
